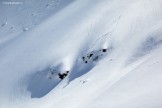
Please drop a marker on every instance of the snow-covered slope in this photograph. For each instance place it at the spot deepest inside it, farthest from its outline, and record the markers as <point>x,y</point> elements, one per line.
<point>110,51</point>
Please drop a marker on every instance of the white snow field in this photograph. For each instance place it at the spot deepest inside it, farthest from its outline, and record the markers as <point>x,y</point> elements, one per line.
<point>80,54</point>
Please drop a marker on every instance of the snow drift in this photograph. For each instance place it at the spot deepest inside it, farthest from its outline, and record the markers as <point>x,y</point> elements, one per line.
<point>81,54</point>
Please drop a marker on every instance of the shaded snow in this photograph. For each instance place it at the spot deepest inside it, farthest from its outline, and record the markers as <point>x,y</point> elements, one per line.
<point>45,38</point>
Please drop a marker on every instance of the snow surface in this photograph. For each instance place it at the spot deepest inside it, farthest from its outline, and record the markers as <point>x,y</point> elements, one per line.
<point>41,38</point>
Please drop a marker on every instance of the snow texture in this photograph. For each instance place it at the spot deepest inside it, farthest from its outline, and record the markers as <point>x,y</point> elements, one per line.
<point>80,54</point>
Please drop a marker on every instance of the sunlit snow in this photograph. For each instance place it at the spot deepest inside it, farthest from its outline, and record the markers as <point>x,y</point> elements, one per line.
<point>81,54</point>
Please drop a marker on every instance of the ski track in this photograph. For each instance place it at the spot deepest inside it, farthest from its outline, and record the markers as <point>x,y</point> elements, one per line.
<point>52,37</point>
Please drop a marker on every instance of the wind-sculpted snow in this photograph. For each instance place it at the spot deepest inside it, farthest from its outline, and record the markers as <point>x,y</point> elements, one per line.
<point>152,42</point>
<point>26,15</point>
<point>42,82</point>
<point>81,54</point>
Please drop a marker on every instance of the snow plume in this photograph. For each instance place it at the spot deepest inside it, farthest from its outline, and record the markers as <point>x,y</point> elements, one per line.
<point>81,54</point>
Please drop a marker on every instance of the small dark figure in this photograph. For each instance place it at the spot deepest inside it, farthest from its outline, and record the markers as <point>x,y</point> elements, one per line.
<point>85,61</point>
<point>63,75</point>
<point>90,55</point>
<point>83,58</point>
<point>84,82</point>
<point>104,50</point>
<point>67,72</point>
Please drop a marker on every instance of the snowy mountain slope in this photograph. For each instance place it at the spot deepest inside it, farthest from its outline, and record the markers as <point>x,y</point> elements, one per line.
<point>128,71</point>
<point>137,89</point>
<point>18,17</point>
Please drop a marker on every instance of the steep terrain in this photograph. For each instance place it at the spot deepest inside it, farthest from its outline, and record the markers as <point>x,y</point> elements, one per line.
<point>80,54</point>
